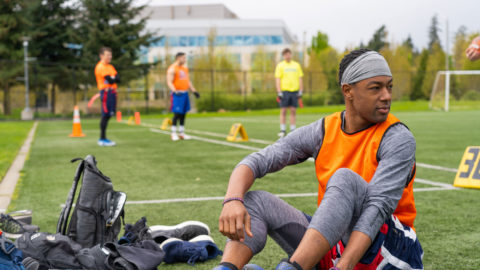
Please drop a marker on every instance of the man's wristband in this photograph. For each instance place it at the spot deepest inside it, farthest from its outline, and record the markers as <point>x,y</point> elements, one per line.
<point>233,199</point>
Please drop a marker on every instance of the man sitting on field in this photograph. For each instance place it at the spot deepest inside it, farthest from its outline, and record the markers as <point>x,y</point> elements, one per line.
<point>365,165</point>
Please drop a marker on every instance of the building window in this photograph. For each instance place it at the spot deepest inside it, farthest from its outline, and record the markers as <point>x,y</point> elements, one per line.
<point>195,41</point>
<point>183,42</point>
<point>248,40</point>
<point>173,41</point>
<point>192,41</point>
<point>276,40</point>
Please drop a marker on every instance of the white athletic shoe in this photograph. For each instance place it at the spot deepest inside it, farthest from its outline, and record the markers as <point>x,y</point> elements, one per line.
<point>282,134</point>
<point>107,142</point>
<point>175,137</point>
<point>184,136</point>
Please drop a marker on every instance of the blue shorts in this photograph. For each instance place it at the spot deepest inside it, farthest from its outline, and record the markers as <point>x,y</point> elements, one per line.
<point>108,99</point>
<point>180,102</point>
<point>395,247</point>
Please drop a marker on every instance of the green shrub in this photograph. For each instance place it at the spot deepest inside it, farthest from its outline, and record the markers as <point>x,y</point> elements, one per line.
<point>471,95</point>
<point>231,102</point>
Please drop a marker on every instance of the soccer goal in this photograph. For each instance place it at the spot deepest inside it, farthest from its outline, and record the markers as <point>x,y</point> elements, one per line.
<point>459,86</point>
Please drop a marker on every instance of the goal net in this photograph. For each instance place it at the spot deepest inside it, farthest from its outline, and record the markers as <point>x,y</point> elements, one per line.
<point>455,88</point>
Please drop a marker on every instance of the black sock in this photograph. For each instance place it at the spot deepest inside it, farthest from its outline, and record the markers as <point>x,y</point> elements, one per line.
<point>103,127</point>
<point>229,265</point>
<point>294,264</point>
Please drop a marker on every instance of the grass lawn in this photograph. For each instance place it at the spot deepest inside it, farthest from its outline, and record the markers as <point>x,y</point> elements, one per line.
<point>12,136</point>
<point>148,166</point>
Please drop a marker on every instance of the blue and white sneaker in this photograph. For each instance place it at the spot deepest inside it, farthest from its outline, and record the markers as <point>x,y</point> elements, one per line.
<point>286,265</point>
<point>106,142</point>
<point>251,266</point>
<point>200,248</point>
<point>221,267</point>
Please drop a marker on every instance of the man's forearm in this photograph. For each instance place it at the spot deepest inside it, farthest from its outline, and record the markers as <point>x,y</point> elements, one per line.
<point>241,180</point>
<point>301,84</point>
<point>277,84</point>
<point>357,245</point>
<point>171,86</point>
<point>190,85</point>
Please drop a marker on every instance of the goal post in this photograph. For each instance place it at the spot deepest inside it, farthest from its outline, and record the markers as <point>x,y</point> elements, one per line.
<point>438,96</point>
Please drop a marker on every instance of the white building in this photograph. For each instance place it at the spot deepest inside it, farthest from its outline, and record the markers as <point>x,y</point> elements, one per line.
<point>187,28</point>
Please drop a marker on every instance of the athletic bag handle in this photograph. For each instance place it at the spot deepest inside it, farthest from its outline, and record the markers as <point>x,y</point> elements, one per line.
<point>65,214</point>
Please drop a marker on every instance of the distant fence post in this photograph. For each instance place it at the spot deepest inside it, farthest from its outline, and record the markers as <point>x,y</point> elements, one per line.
<point>212,89</point>
<point>310,86</point>
<point>74,86</point>
<point>244,90</point>
<point>145,75</point>
<point>35,87</point>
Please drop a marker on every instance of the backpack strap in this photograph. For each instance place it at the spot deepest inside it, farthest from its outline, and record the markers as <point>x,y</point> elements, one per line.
<point>6,245</point>
<point>64,215</point>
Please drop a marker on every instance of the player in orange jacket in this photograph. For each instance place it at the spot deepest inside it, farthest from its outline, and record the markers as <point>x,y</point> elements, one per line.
<point>179,83</point>
<point>107,79</point>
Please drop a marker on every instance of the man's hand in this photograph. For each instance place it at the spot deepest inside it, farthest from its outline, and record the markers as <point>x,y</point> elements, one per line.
<point>280,95</point>
<point>300,94</point>
<point>196,94</point>
<point>234,221</point>
<point>472,53</point>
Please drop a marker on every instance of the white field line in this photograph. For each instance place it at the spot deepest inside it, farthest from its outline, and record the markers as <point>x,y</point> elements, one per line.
<point>219,198</point>
<point>435,167</point>
<point>284,195</point>
<point>210,140</point>
<point>219,135</point>
<point>437,184</point>
<point>236,145</point>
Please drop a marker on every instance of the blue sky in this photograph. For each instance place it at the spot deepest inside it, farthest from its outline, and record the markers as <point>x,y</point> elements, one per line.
<point>348,22</point>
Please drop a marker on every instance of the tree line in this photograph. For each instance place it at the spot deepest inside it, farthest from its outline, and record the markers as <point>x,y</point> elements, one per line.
<point>414,69</point>
<point>65,36</point>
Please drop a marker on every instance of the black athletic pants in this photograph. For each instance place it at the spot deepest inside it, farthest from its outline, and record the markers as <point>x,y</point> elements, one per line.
<point>103,126</point>
<point>178,117</point>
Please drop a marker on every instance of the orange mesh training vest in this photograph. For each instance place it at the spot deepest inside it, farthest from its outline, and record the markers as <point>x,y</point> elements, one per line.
<point>180,80</point>
<point>358,152</point>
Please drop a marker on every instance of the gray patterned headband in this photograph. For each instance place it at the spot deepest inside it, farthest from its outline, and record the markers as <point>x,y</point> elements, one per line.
<point>367,65</point>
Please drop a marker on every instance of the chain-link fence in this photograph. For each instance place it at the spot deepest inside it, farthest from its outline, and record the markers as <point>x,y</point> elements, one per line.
<point>56,88</point>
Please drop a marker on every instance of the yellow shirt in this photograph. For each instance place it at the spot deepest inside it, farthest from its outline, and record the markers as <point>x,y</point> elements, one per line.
<point>289,74</point>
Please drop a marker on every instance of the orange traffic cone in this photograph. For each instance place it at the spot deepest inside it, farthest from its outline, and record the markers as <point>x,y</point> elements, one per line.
<point>77,127</point>
<point>119,116</point>
<point>137,118</point>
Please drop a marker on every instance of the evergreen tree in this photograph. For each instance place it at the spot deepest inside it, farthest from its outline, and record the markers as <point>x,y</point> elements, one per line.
<point>433,33</point>
<point>319,42</point>
<point>435,63</point>
<point>416,92</point>
<point>12,29</point>
<point>378,40</point>
<point>408,43</point>
<point>53,33</point>
<point>115,24</point>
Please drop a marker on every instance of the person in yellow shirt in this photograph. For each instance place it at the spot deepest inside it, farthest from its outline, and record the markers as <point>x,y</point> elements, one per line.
<point>289,84</point>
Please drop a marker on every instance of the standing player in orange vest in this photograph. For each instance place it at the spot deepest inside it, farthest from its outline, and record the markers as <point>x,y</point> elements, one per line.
<point>179,83</point>
<point>365,165</point>
<point>107,79</point>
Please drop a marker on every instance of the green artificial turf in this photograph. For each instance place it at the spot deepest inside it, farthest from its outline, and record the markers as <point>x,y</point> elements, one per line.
<point>12,136</point>
<point>149,166</point>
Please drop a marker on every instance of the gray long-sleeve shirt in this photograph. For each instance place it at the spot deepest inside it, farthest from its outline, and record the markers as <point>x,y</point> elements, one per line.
<point>397,157</point>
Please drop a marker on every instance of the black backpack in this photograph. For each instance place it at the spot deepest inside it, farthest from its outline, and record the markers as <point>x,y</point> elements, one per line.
<point>98,209</point>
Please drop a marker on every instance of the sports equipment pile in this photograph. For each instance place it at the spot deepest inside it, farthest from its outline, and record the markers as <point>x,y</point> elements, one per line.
<point>87,238</point>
